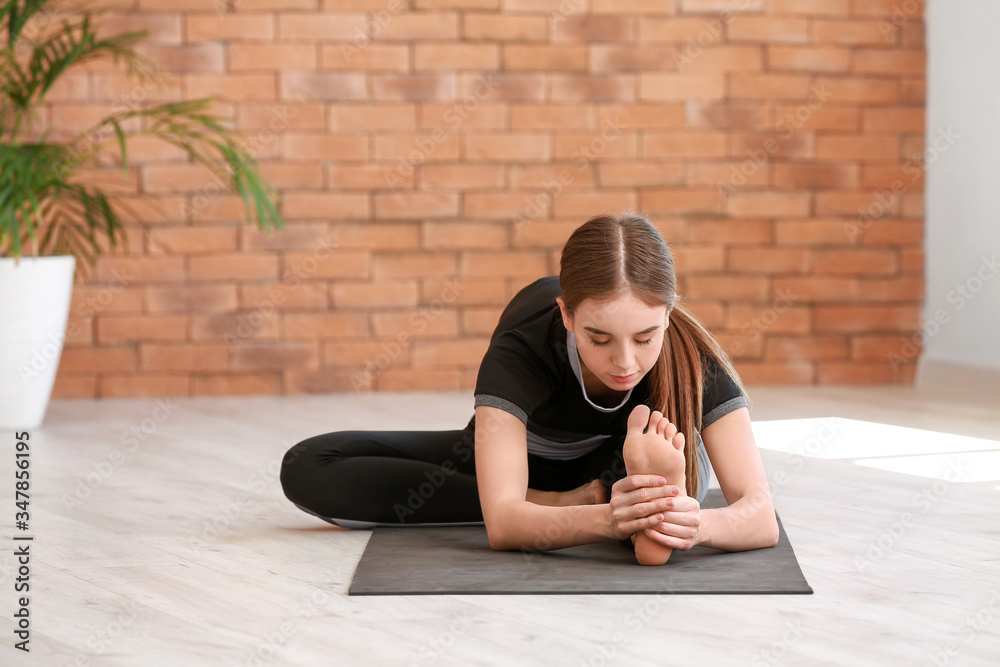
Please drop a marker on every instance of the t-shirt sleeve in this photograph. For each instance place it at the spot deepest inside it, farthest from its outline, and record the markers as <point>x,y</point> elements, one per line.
<point>721,394</point>
<point>512,377</point>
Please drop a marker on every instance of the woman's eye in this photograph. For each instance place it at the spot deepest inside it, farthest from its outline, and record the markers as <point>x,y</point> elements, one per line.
<point>645,342</point>
<point>599,343</point>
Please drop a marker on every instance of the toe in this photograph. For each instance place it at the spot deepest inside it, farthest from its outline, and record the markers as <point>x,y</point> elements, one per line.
<point>678,441</point>
<point>638,419</point>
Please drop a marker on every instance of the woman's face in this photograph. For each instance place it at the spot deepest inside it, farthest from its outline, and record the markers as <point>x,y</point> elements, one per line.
<point>618,340</point>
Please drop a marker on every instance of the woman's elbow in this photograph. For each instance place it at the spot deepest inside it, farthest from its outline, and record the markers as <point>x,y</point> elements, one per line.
<point>770,533</point>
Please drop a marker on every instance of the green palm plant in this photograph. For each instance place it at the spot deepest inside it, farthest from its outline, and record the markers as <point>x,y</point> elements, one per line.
<point>44,203</point>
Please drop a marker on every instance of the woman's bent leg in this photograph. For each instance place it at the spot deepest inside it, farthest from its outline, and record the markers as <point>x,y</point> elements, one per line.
<point>366,478</point>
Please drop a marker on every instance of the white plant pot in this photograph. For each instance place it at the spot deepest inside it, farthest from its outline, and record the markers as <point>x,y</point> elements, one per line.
<point>34,306</point>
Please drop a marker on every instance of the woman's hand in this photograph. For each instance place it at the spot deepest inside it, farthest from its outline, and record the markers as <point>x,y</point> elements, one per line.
<point>681,525</point>
<point>639,502</point>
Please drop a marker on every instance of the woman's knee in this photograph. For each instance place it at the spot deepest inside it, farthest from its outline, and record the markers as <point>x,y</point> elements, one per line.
<point>306,462</point>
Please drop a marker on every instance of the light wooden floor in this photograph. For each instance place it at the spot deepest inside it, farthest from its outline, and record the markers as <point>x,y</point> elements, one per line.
<point>162,538</point>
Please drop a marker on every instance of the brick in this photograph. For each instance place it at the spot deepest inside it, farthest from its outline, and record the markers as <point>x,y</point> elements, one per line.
<point>770,87</point>
<point>374,356</point>
<point>315,27</point>
<point>394,266</point>
<point>464,292</point>
<point>809,58</point>
<point>323,381</point>
<point>323,86</point>
<point>768,260</point>
<point>822,118</point>
<point>856,261</point>
<point>544,234</point>
<point>642,116</point>
<point>862,373</point>
<point>188,58</point>
<point>296,237</point>
<point>713,6</point>
<point>313,146</point>
<point>639,174</point>
<point>501,86</point>
<point>643,7</point>
<point>812,232</point>
<point>902,233</point>
<point>97,359</point>
<point>514,263</point>
<point>271,57</point>
<point>444,354</point>
<point>698,259</point>
<point>424,323</point>
<point>504,27</point>
<point>591,87</point>
<point>908,11</point>
<point>188,240</point>
<point>336,264</point>
<point>377,235</point>
<point>373,57</point>
<point>140,269</point>
<point>280,117</point>
<point>162,28</point>
<point>285,175</point>
<point>809,7</point>
<point>464,234</point>
<point>681,28</point>
<point>727,115</point>
<point>818,288</point>
<point>792,320</point>
<point>454,56</point>
<point>189,357</point>
<point>466,113</point>
<point>588,204</point>
<point>880,348</point>
<point>618,58</point>
<point>290,295</point>
<point>890,61</point>
<point>403,379</point>
<point>680,201</point>
<point>875,205</point>
<point>544,58</point>
<point>74,386</point>
<point>681,87</point>
<point>141,149</point>
<point>747,173</point>
<point>583,148</point>
<point>913,90</point>
<point>231,87</point>
<point>888,119</point>
<point>119,296</point>
<point>556,7</point>
<point>257,323</point>
<point>895,289</point>
<point>326,205</point>
<point>278,356</point>
<point>854,33</point>
<point>726,287</point>
<point>823,348</point>
<point>373,295</point>
<point>551,116</point>
<point>228,28</point>
<point>461,176</point>
<point>591,29</point>
<point>136,386</point>
<point>551,177</point>
<point>457,4</point>
<point>768,204</point>
<point>353,117</point>
<point>113,329</point>
<point>480,321</point>
<point>853,90</point>
<point>522,146</point>
<point>811,176</point>
<point>71,119</point>
<point>233,267</point>
<point>191,298</point>
<point>505,205</point>
<point>768,29</point>
<point>854,147</point>
<point>421,26</point>
<point>236,384</point>
<point>690,143</point>
<point>416,205</point>
<point>315,326</point>
<point>720,59</point>
<point>413,87</point>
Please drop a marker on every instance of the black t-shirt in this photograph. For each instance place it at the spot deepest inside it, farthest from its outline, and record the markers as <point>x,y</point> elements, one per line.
<point>527,371</point>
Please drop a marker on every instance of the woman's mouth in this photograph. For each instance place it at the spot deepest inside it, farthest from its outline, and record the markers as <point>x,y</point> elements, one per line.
<point>623,379</point>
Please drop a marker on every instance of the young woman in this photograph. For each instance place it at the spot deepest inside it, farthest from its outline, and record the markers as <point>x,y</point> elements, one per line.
<point>599,407</point>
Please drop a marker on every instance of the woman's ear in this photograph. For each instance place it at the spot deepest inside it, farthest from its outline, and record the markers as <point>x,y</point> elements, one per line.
<point>566,318</point>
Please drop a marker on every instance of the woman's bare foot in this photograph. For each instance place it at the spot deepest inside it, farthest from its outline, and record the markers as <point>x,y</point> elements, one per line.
<point>591,493</point>
<point>659,451</point>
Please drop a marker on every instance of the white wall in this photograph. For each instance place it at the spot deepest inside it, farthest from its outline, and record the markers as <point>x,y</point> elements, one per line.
<point>962,238</point>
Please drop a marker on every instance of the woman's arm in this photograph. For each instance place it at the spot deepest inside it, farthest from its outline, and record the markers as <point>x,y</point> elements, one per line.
<point>502,477</point>
<point>748,522</point>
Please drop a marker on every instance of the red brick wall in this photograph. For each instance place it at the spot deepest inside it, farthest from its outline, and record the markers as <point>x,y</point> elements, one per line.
<point>433,155</point>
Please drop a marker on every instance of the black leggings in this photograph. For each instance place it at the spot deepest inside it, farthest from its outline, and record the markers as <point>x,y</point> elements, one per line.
<point>359,479</point>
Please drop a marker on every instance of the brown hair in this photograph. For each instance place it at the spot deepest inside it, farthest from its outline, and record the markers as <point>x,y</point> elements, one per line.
<point>613,256</point>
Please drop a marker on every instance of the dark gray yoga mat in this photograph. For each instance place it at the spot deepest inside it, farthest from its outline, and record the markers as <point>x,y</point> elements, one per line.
<point>458,560</point>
